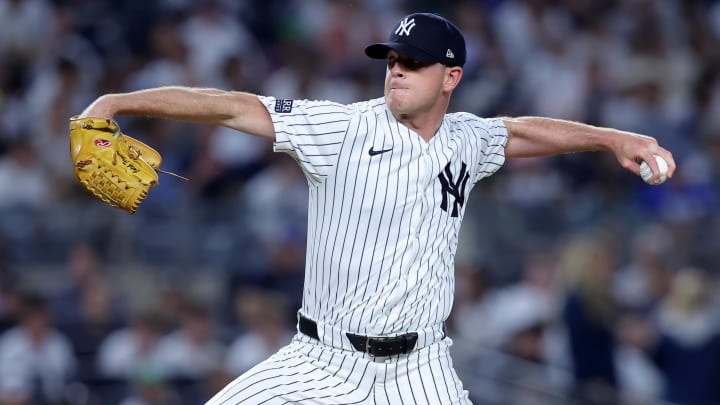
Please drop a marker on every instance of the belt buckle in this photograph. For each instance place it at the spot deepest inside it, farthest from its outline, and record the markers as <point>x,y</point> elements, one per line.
<point>367,347</point>
<point>379,340</point>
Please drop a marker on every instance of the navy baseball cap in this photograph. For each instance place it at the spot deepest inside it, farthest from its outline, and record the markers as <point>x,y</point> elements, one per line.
<point>426,37</point>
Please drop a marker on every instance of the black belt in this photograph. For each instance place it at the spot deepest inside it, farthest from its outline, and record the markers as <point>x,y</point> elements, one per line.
<point>374,346</point>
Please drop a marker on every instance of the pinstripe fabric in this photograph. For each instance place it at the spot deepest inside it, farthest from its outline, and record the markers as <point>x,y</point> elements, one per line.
<point>379,245</point>
<point>307,372</point>
<point>385,209</point>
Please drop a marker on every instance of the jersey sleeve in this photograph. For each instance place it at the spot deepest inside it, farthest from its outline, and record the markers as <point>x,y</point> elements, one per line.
<point>490,138</point>
<point>312,132</point>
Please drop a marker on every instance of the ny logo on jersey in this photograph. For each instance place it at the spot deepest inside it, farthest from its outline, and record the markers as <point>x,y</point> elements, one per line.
<point>455,189</point>
<point>405,27</point>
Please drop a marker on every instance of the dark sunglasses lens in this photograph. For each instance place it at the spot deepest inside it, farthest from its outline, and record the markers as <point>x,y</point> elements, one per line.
<point>407,63</point>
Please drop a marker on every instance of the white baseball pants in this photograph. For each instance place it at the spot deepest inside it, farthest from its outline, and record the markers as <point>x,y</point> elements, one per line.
<point>309,372</point>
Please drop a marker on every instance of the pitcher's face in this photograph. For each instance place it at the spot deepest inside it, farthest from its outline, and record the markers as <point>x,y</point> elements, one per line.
<point>412,86</point>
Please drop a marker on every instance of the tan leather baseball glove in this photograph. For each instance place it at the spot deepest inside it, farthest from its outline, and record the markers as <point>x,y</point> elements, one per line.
<point>114,167</point>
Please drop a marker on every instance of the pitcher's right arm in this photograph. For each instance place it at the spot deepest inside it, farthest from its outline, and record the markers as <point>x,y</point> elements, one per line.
<point>232,109</point>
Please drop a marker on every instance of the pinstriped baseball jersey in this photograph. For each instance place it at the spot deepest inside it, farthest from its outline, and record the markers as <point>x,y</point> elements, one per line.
<point>385,209</point>
<point>384,214</point>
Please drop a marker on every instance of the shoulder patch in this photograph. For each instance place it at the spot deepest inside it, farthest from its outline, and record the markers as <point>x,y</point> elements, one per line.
<point>283,106</point>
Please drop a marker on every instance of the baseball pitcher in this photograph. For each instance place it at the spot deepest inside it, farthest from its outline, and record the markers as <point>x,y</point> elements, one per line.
<point>389,183</point>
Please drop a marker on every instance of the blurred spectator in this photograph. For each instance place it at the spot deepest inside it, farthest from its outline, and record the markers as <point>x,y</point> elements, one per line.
<point>687,348</point>
<point>9,304</point>
<point>530,378</point>
<point>85,308</point>
<point>193,350</point>
<point>471,306</point>
<point>519,25</point>
<point>24,27</point>
<point>15,117</point>
<point>294,77</point>
<point>639,380</point>
<point>643,280</point>
<point>589,313</point>
<point>68,42</point>
<point>214,382</point>
<point>13,391</point>
<point>35,354</point>
<point>150,387</point>
<point>535,188</point>
<point>212,36</point>
<point>168,64</point>
<point>172,300</point>
<point>24,192</point>
<point>276,201</point>
<point>264,316</point>
<point>128,351</point>
<point>525,306</point>
<point>85,280</point>
<point>23,182</point>
<point>97,320</point>
<point>547,95</point>
<point>276,210</point>
<point>59,91</point>
<point>227,159</point>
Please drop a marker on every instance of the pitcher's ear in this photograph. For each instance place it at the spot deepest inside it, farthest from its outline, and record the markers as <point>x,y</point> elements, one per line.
<point>452,77</point>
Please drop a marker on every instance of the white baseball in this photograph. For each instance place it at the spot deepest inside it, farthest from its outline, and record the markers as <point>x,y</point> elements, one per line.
<point>646,173</point>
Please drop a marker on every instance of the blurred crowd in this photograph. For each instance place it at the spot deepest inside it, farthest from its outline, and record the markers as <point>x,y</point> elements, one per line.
<point>577,282</point>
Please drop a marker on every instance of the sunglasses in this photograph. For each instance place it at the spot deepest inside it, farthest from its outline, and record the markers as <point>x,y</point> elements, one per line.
<point>406,62</point>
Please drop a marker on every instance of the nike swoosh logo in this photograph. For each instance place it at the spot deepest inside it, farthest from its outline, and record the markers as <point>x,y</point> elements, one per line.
<point>373,152</point>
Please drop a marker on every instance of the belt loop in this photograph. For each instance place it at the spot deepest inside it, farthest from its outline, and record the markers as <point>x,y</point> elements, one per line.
<point>308,327</point>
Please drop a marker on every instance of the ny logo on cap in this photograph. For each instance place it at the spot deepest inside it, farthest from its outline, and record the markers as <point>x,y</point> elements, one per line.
<point>405,27</point>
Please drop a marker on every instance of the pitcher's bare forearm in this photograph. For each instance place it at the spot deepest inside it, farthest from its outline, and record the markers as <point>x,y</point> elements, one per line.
<point>537,136</point>
<point>233,109</point>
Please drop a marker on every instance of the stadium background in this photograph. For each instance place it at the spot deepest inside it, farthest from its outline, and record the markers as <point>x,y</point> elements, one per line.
<point>573,275</point>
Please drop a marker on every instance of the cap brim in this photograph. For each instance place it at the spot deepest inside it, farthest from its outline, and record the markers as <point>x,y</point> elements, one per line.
<point>380,51</point>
